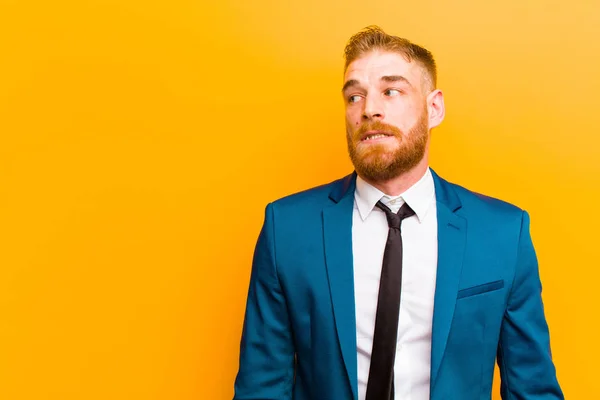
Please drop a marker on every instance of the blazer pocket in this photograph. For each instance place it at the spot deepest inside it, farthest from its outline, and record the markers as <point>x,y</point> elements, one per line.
<point>480,289</point>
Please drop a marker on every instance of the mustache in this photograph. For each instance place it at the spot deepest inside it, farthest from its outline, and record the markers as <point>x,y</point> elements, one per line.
<point>376,126</point>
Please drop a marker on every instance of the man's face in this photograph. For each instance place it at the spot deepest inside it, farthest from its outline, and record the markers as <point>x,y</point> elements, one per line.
<point>386,115</point>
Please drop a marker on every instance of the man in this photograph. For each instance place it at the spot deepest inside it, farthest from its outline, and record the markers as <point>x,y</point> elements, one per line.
<point>393,283</point>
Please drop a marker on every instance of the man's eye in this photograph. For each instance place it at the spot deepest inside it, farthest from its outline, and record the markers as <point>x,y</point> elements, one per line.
<point>353,99</point>
<point>392,92</point>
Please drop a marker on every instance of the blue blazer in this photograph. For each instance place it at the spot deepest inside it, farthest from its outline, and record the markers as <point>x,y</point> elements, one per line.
<point>299,335</point>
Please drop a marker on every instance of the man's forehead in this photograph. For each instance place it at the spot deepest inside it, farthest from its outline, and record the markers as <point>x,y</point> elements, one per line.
<point>377,64</point>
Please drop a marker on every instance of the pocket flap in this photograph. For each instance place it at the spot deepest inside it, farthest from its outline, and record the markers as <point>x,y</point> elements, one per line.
<point>479,289</point>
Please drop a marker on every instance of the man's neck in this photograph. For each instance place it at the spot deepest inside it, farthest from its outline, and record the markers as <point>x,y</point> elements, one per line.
<point>401,183</point>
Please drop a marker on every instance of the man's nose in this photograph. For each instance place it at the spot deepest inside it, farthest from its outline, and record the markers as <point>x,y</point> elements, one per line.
<point>373,108</point>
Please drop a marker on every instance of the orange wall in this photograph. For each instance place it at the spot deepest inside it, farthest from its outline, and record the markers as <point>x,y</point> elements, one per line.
<point>135,136</point>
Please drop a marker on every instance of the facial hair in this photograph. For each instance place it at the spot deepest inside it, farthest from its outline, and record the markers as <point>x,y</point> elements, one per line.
<point>376,162</point>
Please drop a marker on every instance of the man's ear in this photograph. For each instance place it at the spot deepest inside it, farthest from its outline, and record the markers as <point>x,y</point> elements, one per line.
<point>435,108</point>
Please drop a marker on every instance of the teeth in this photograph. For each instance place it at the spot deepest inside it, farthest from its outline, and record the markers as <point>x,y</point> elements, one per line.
<point>375,136</point>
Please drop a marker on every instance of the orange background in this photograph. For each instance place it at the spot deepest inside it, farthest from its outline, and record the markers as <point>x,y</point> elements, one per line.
<point>137,136</point>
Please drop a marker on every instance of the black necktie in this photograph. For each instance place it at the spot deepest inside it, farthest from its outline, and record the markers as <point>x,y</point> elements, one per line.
<point>381,373</point>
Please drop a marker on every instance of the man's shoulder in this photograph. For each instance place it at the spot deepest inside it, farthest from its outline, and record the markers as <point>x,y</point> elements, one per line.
<point>475,202</point>
<point>315,196</point>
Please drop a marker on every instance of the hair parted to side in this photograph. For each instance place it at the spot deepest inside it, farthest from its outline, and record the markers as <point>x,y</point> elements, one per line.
<point>374,38</point>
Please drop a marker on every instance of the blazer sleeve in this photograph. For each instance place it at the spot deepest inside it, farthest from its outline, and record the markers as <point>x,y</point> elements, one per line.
<point>524,357</point>
<point>266,364</point>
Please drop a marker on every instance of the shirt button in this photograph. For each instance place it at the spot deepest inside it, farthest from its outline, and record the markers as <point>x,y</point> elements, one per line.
<point>393,202</point>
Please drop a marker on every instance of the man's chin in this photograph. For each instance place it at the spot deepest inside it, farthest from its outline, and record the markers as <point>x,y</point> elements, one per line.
<point>377,160</point>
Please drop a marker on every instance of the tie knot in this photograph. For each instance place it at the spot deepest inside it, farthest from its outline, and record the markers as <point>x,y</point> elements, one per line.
<point>394,220</point>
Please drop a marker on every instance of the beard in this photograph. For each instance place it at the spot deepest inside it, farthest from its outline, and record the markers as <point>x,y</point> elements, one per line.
<point>377,162</point>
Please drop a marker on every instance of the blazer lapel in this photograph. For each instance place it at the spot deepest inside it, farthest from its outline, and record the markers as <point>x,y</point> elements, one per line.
<point>452,230</point>
<point>337,233</point>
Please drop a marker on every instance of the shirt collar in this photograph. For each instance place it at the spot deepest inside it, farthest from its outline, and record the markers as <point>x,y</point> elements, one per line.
<point>419,197</point>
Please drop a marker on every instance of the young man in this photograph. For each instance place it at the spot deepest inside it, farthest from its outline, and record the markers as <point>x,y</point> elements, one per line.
<point>392,283</point>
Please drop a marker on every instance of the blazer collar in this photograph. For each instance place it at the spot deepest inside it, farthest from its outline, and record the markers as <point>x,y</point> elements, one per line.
<point>343,187</point>
<point>444,192</point>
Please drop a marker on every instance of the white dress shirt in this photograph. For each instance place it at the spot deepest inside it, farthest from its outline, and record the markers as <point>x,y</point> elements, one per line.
<point>412,367</point>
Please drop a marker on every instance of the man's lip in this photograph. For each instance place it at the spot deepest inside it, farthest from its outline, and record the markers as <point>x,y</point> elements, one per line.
<point>371,133</point>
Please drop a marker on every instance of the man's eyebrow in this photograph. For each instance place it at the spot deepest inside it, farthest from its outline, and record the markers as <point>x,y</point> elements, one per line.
<point>395,78</point>
<point>350,83</point>
<point>386,78</point>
